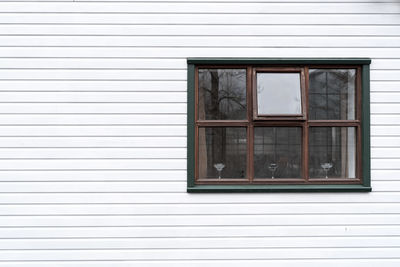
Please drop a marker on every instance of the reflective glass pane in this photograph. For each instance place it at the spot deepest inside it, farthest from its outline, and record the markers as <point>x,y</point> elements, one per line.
<point>222,94</point>
<point>278,94</point>
<point>222,152</point>
<point>332,152</point>
<point>277,152</point>
<point>332,94</point>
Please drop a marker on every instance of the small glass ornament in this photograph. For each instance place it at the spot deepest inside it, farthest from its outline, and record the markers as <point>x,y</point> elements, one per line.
<point>219,167</point>
<point>326,167</point>
<point>272,167</point>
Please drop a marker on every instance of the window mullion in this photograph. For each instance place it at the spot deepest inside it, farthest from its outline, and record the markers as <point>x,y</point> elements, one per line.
<point>305,127</point>
<point>305,152</point>
<point>250,153</point>
<point>250,127</point>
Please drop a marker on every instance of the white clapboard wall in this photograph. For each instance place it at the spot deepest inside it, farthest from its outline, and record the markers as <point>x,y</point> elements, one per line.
<point>93,136</point>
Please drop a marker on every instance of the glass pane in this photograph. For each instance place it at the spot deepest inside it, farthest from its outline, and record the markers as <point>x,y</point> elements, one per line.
<point>222,152</point>
<point>277,152</point>
<point>332,94</point>
<point>332,152</point>
<point>278,94</point>
<point>222,94</point>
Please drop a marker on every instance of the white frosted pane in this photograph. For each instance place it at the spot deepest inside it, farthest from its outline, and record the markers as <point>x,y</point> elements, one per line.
<point>278,94</point>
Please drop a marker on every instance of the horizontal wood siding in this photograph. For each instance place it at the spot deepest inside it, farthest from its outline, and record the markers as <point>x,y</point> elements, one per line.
<point>93,135</point>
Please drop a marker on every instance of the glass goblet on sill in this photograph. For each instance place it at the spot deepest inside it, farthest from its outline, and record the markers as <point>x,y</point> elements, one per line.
<point>272,167</point>
<point>219,167</point>
<point>326,167</point>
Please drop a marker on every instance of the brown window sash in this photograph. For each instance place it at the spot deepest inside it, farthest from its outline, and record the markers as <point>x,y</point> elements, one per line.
<point>254,120</point>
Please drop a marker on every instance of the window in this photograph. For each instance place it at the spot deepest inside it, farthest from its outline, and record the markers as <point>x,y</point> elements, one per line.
<point>278,125</point>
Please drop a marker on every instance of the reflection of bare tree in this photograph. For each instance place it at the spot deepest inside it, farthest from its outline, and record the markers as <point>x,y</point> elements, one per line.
<point>222,96</point>
<point>226,145</point>
<point>214,92</point>
<point>223,93</point>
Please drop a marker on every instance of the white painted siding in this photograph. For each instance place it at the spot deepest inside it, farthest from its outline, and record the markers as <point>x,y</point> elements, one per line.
<point>93,135</point>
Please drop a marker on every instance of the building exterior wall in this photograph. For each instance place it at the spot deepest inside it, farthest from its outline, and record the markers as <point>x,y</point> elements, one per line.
<point>93,136</point>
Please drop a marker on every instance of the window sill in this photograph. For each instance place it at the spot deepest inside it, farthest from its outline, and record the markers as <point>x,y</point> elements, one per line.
<point>276,188</point>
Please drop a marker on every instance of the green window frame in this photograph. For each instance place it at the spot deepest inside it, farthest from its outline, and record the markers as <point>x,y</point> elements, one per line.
<point>364,66</point>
